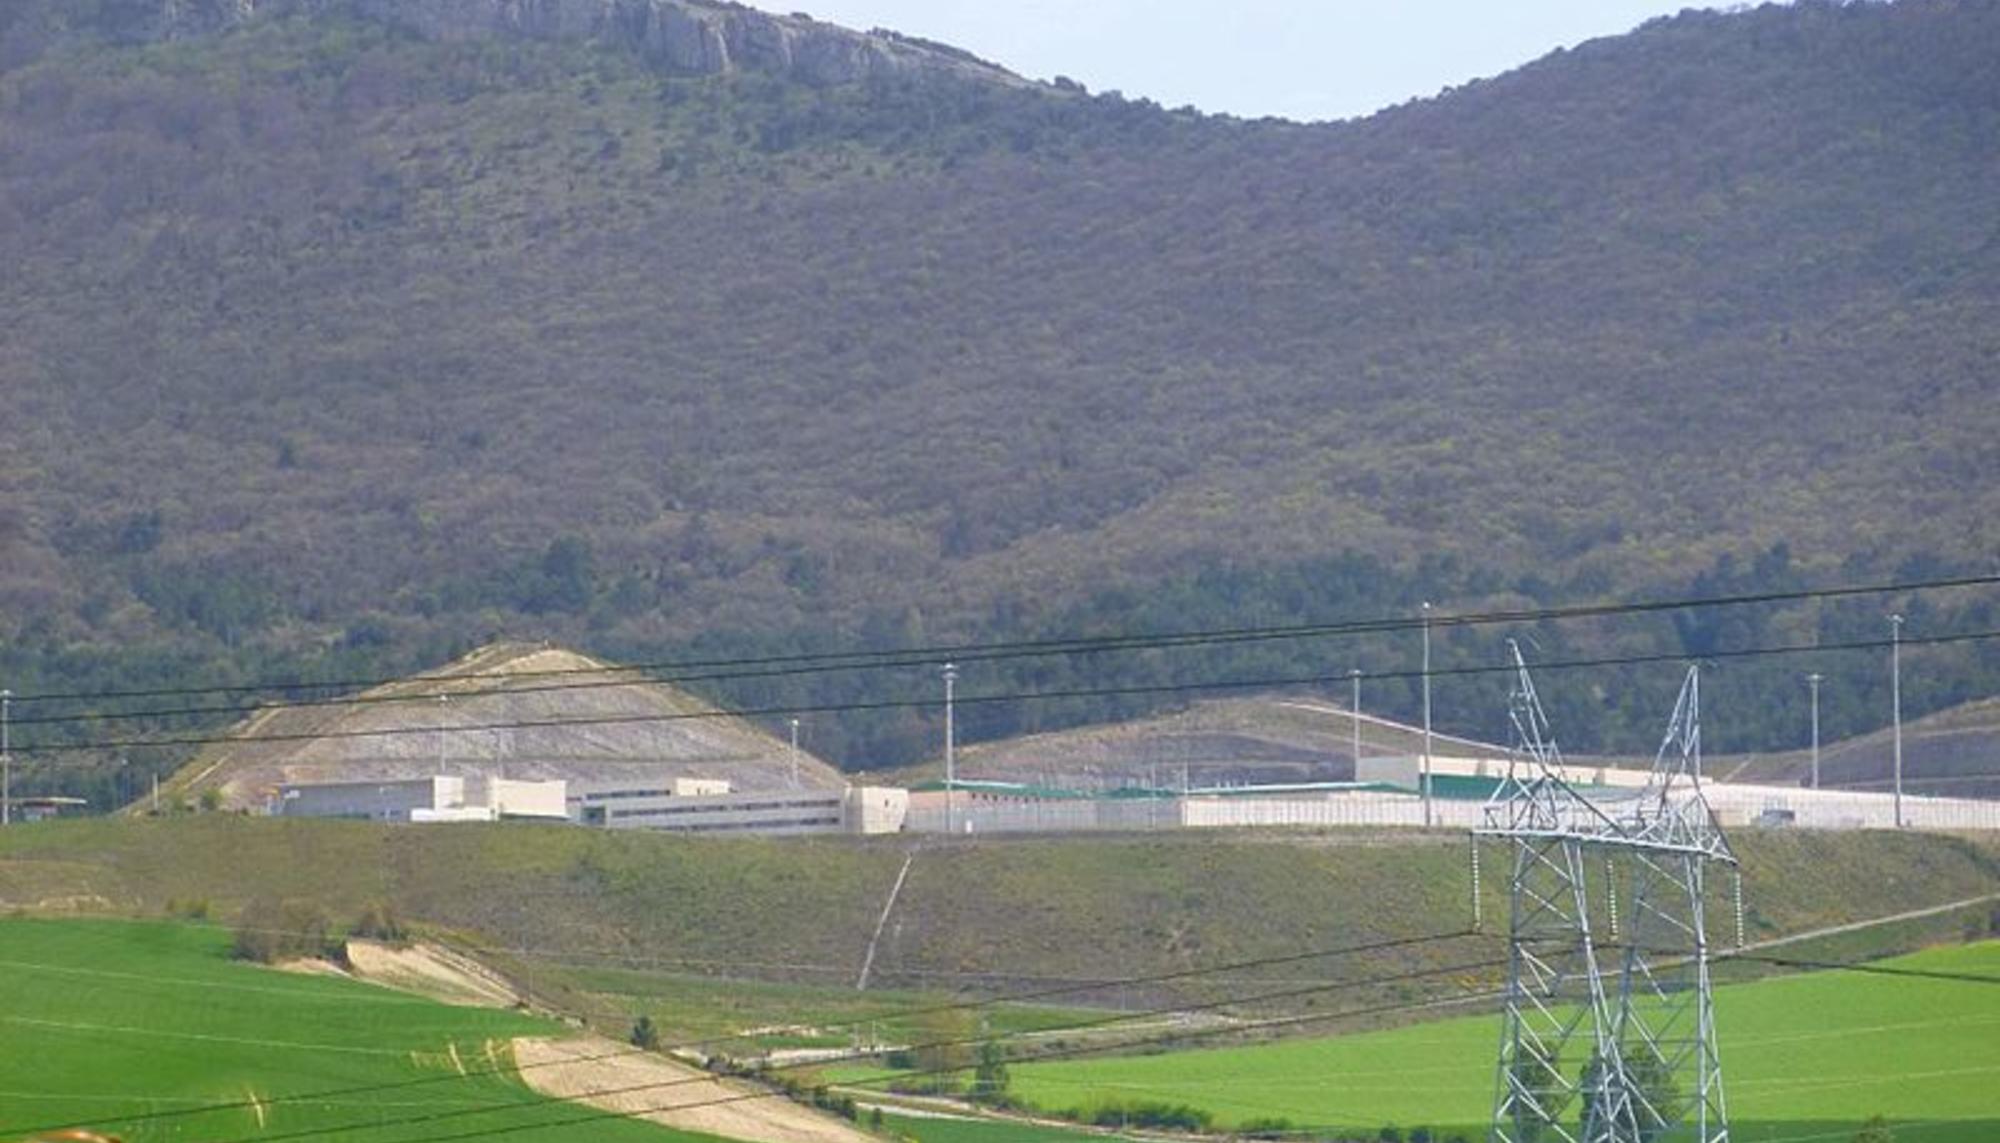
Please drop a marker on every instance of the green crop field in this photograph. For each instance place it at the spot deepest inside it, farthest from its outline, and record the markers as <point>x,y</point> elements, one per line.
<point>129,1025</point>
<point>1807,1057</point>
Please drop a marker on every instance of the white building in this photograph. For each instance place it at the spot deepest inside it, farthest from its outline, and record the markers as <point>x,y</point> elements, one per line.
<point>693,806</point>
<point>439,798</point>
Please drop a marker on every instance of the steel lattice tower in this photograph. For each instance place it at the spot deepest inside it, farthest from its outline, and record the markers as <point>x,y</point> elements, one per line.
<point>1607,1041</point>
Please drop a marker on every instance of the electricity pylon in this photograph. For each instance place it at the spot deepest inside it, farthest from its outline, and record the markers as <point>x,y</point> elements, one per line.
<point>1606,1041</point>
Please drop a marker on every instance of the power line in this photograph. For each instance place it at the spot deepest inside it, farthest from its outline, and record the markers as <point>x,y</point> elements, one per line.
<point>813,662</point>
<point>693,1045</point>
<point>992,699</point>
<point>1233,1029</point>
<point>616,961</point>
<point>1180,1036</point>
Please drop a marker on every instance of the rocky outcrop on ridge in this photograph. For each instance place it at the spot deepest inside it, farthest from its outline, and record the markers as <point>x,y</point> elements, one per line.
<point>681,37</point>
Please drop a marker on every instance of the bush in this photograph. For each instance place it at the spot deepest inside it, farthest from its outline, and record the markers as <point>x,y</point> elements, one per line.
<point>1876,1130</point>
<point>269,931</point>
<point>645,1035</point>
<point>377,923</point>
<point>1148,1113</point>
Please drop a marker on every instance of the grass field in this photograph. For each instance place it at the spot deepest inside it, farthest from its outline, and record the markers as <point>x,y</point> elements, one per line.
<point>1807,1057</point>
<point>128,1026</point>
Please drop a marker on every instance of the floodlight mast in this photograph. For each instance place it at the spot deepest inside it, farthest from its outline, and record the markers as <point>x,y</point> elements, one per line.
<point>1651,1066</point>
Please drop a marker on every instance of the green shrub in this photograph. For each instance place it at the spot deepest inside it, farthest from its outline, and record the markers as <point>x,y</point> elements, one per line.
<point>378,923</point>
<point>192,909</point>
<point>269,931</point>
<point>1154,1114</point>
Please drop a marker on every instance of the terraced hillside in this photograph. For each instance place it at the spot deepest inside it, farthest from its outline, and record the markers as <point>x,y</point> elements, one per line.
<point>1269,738</point>
<point>1954,752</point>
<point>503,710</point>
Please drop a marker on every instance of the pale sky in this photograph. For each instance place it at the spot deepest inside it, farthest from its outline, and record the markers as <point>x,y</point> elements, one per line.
<point>1300,59</point>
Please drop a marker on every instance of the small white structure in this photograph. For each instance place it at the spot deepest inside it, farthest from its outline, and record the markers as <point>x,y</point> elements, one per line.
<point>439,798</point>
<point>694,806</point>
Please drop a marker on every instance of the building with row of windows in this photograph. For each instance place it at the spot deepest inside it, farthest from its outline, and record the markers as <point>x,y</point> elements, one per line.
<point>685,806</point>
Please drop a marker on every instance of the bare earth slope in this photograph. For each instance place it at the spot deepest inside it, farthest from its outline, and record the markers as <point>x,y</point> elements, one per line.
<point>1261,739</point>
<point>499,710</point>
<point>1953,752</point>
<point>1276,738</point>
<point>608,1076</point>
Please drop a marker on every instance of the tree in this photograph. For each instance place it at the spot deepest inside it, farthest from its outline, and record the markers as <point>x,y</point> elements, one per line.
<point>989,1075</point>
<point>645,1036</point>
<point>1656,1106</point>
<point>943,1049</point>
<point>1548,1096</point>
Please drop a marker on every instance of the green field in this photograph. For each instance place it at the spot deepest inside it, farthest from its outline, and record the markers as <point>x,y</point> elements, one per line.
<point>128,1025</point>
<point>1806,1057</point>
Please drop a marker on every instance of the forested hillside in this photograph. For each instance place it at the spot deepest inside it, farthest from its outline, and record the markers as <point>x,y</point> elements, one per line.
<point>332,348</point>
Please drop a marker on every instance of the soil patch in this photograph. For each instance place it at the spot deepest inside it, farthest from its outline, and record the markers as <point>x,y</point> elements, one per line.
<point>669,1093</point>
<point>429,970</point>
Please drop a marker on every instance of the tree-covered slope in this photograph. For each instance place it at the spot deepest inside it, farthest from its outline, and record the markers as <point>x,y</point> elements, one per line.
<point>322,331</point>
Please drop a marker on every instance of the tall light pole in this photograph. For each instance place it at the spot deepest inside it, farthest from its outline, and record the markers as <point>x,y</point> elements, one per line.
<point>1427,712</point>
<point>6,758</point>
<point>1813,680</point>
<point>795,753</point>
<point>1354,717</point>
<point>1896,704</point>
<point>950,740</point>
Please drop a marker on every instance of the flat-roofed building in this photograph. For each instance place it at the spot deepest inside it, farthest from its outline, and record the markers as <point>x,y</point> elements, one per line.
<point>438,798</point>
<point>855,809</point>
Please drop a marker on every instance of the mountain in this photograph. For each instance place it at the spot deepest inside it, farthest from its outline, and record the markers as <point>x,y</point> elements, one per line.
<point>354,327</point>
<point>506,697</point>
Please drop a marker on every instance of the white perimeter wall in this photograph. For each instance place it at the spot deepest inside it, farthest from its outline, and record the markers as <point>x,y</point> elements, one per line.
<point>1737,806</point>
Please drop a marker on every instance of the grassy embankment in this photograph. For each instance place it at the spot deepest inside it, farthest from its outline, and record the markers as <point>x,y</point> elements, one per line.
<point>613,925</point>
